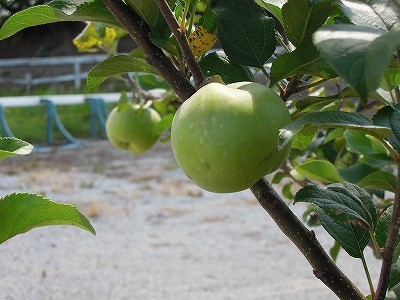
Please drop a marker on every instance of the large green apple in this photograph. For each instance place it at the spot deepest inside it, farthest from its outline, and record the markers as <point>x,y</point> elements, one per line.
<point>132,128</point>
<point>225,137</point>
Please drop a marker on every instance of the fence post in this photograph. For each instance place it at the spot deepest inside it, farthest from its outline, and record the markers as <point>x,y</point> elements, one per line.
<point>28,81</point>
<point>77,72</point>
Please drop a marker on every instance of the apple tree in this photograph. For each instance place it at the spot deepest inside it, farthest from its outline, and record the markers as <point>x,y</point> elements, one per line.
<point>324,114</point>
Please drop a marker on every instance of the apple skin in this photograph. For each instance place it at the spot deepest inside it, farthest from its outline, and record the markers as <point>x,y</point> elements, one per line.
<point>225,137</point>
<point>132,128</point>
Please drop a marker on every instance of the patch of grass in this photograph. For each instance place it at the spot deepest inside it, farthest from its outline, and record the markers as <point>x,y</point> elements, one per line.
<point>29,123</point>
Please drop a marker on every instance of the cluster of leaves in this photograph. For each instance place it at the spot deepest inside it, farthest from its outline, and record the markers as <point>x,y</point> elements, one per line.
<point>96,36</point>
<point>345,137</point>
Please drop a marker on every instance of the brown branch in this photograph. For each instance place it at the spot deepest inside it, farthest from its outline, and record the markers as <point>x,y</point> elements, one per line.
<point>291,86</point>
<point>387,255</point>
<point>397,93</point>
<point>305,240</point>
<point>291,226</point>
<point>180,36</point>
<point>139,31</point>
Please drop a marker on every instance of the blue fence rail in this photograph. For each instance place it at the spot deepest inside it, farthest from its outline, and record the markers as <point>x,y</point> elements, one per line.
<point>98,115</point>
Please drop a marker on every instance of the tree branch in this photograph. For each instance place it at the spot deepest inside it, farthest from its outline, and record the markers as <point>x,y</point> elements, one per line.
<point>191,62</point>
<point>291,226</point>
<point>291,86</point>
<point>139,31</point>
<point>305,240</point>
<point>387,255</point>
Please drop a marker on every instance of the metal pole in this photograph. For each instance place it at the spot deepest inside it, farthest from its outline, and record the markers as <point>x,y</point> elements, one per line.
<point>77,72</point>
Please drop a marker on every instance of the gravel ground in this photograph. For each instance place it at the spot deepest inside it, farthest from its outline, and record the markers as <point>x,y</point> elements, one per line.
<point>158,235</point>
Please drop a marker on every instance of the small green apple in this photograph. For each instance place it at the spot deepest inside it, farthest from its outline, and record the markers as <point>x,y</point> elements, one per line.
<point>132,128</point>
<point>225,137</point>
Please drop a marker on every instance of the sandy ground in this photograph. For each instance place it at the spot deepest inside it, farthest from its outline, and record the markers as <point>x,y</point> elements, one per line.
<point>158,235</point>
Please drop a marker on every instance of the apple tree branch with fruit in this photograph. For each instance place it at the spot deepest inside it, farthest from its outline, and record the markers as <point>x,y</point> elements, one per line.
<point>327,122</point>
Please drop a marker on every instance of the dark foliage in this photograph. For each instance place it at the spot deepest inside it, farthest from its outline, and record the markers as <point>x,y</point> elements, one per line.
<point>9,7</point>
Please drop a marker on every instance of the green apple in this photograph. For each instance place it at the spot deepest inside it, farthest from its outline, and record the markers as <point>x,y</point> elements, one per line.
<point>132,128</point>
<point>225,137</point>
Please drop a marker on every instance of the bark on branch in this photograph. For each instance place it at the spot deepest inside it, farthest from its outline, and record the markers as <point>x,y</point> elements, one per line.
<point>305,240</point>
<point>180,36</point>
<point>139,31</point>
<point>323,266</point>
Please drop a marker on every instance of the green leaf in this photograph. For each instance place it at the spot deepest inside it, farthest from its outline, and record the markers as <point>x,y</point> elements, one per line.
<point>356,172</point>
<point>358,54</point>
<point>278,177</point>
<point>320,170</point>
<point>381,14</point>
<point>96,36</point>
<point>10,146</point>
<point>56,11</point>
<point>333,134</point>
<point>389,117</point>
<point>373,151</point>
<point>381,233</point>
<point>394,293</point>
<point>164,124</point>
<point>382,227</point>
<point>392,78</point>
<point>394,275</point>
<point>313,103</point>
<point>286,190</point>
<point>245,31</point>
<point>332,119</point>
<point>274,7</point>
<point>345,211</point>
<point>334,251</point>
<point>303,138</point>
<point>20,213</point>
<point>149,82</point>
<point>379,180</point>
<point>302,18</point>
<point>151,14</point>
<point>305,59</point>
<point>364,144</point>
<point>115,65</point>
<point>217,63</point>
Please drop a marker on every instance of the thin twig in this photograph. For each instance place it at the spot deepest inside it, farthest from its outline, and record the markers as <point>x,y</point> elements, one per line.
<point>139,31</point>
<point>397,93</point>
<point>305,240</point>
<point>281,41</point>
<point>367,273</point>
<point>291,86</point>
<point>306,87</point>
<point>387,256</point>
<point>180,36</point>
<point>192,15</point>
<point>291,226</point>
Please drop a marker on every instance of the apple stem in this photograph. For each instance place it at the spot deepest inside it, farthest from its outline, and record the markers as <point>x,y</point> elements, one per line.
<point>305,240</point>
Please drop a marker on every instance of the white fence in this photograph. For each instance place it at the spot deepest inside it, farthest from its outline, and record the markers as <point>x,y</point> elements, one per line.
<point>29,80</point>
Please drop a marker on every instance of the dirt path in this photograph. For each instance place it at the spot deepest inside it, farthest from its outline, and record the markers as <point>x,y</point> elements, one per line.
<point>158,235</point>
